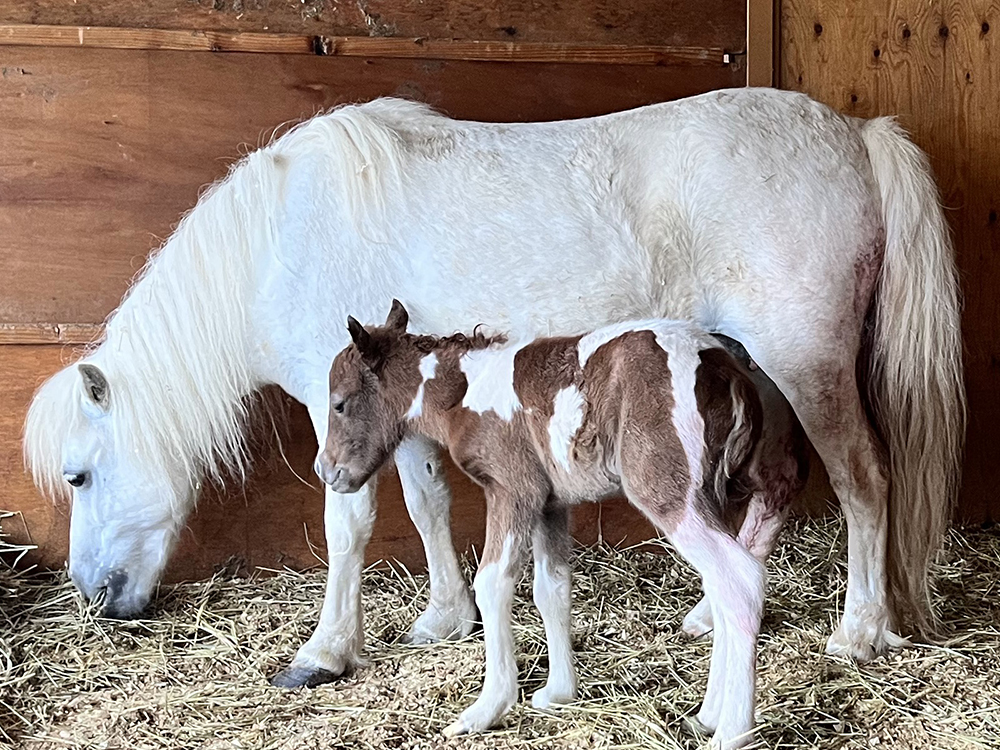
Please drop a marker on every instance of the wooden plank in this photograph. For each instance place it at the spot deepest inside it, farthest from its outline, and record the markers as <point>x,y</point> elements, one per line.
<point>934,65</point>
<point>760,42</point>
<point>679,23</point>
<point>129,138</point>
<point>347,46</point>
<point>49,333</point>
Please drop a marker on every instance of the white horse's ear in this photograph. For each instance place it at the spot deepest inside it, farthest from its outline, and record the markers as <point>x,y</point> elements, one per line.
<point>95,386</point>
<point>398,317</point>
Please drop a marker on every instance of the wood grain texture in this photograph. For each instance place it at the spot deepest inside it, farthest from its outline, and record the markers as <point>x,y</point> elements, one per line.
<point>104,37</point>
<point>49,333</point>
<point>129,138</point>
<point>936,65</point>
<point>706,23</point>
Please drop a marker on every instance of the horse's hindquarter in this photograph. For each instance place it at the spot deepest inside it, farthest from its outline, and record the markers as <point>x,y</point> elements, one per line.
<point>731,208</point>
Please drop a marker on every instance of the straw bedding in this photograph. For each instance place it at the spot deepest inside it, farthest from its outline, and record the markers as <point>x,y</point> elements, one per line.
<point>195,677</point>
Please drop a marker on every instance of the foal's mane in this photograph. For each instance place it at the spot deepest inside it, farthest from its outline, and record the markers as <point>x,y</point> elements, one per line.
<point>459,341</point>
<point>178,351</point>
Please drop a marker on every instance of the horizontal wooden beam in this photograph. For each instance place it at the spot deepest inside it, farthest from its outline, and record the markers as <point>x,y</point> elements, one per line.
<point>30,35</point>
<point>49,333</point>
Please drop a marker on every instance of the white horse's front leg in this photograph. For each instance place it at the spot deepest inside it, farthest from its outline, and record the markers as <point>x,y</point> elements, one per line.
<point>451,612</point>
<point>335,645</point>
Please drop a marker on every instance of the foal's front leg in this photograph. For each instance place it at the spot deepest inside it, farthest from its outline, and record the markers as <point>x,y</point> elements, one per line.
<point>507,529</point>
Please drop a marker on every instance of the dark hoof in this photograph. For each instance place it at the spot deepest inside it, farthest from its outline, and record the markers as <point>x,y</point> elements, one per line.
<point>296,677</point>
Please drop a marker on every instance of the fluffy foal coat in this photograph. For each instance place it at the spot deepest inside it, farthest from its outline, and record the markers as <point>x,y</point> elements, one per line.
<point>655,409</point>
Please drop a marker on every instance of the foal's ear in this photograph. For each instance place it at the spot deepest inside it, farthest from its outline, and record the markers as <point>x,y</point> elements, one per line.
<point>359,335</point>
<point>95,386</point>
<point>398,317</point>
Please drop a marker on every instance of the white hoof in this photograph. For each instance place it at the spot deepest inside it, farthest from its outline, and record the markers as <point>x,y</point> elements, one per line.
<point>553,696</point>
<point>863,638</point>
<point>479,717</point>
<point>451,621</point>
<point>731,740</point>
<point>698,622</point>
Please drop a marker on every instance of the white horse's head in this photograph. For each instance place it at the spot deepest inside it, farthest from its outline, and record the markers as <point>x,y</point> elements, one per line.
<point>128,506</point>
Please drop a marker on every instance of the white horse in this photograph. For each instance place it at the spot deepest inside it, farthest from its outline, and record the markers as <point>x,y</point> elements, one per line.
<point>812,238</point>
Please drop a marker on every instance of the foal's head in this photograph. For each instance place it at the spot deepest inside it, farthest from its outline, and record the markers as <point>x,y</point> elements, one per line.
<point>372,384</point>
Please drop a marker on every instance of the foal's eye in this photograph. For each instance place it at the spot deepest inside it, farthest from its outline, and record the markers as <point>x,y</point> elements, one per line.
<point>76,480</point>
<point>339,407</point>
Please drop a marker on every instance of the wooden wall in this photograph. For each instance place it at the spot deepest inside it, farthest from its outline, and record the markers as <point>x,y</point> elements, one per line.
<point>108,132</point>
<point>936,65</point>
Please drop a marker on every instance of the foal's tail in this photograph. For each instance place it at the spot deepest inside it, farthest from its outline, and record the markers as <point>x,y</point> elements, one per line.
<point>915,381</point>
<point>744,436</point>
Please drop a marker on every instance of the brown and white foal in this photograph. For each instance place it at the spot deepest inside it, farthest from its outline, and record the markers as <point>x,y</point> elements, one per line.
<point>655,409</point>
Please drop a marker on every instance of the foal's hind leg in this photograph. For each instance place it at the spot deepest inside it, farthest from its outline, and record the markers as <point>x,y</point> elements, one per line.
<point>764,520</point>
<point>553,594</point>
<point>734,585</point>
<point>451,613</point>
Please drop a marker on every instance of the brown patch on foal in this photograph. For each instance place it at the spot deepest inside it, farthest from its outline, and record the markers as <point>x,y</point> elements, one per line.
<point>629,385</point>
<point>543,368</point>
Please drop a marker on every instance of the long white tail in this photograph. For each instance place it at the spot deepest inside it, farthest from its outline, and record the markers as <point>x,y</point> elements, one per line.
<point>915,384</point>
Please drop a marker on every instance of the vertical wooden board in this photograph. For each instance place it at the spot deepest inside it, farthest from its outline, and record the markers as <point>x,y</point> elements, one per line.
<point>708,23</point>
<point>933,66</point>
<point>969,117</point>
<point>128,138</point>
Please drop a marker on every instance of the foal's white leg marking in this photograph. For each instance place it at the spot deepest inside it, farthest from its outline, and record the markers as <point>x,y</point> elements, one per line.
<point>758,535</point>
<point>428,366</point>
<point>495,595</point>
<point>336,643</point>
<point>567,416</point>
<point>451,613</point>
<point>490,374</point>
<point>552,590</point>
<point>734,584</point>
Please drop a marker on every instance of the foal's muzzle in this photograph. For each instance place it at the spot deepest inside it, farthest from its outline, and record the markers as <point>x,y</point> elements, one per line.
<point>337,476</point>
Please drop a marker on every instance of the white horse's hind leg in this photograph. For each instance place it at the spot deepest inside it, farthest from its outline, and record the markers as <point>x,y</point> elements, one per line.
<point>827,402</point>
<point>451,612</point>
<point>335,646</point>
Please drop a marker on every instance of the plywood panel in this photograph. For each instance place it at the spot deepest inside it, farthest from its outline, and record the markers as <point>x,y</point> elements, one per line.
<point>708,23</point>
<point>936,66</point>
<point>102,150</point>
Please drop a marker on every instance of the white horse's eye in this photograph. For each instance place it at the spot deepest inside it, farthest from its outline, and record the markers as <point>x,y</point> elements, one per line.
<point>76,480</point>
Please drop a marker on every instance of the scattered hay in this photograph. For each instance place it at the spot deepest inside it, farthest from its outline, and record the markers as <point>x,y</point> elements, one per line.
<point>196,675</point>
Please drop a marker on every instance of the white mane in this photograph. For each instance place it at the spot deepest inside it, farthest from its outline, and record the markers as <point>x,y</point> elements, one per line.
<point>178,352</point>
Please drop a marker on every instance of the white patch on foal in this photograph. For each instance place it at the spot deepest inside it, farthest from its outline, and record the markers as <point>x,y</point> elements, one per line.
<point>490,374</point>
<point>567,417</point>
<point>683,361</point>
<point>596,339</point>
<point>428,366</point>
